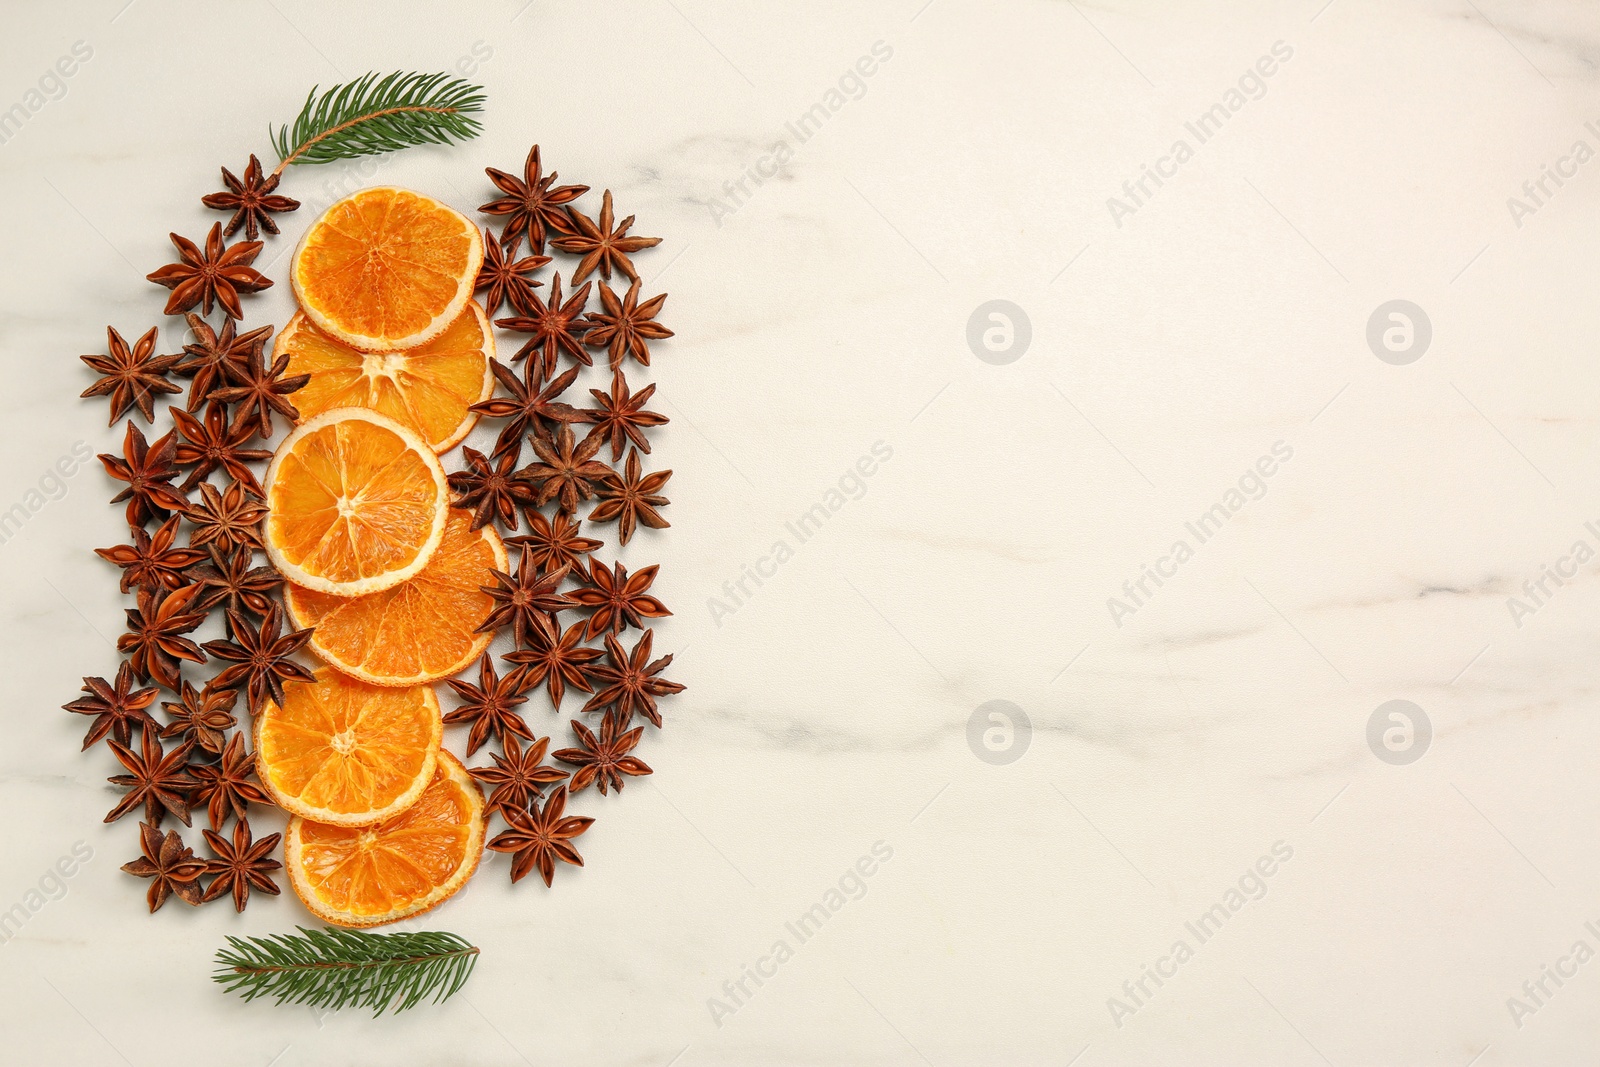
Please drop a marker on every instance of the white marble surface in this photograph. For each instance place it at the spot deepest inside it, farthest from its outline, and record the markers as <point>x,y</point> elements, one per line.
<point>827,311</point>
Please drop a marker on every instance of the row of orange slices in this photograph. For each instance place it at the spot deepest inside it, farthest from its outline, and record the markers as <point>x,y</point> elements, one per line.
<point>385,823</point>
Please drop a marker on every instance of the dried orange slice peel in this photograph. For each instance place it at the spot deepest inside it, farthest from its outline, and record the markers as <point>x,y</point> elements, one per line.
<point>430,388</point>
<point>420,630</point>
<point>368,876</point>
<point>342,752</point>
<point>356,503</point>
<point>386,269</point>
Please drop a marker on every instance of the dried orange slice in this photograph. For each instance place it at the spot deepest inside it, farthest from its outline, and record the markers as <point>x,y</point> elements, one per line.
<point>385,269</point>
<point>419,631</point>
<point>356,503</point>
<point>368,876</point>
<point>347,753</point>
<point>429,388</point>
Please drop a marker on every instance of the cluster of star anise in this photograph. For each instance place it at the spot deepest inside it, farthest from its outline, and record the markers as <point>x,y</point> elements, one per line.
<point>197,481</point>
<point>558,599</point>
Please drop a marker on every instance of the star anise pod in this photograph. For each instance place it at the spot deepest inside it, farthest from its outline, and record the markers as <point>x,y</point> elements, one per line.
<point>230,580</point>
<point>625,327</point>
<point>117,709</point>
<point>518,777</point>
<point>532,402</point>
<point>261,388</point>
<point>554,542</point>
<point>261,660</point>
<point>155,641</point>
<point>567,472</point>
<point>160,781</point>
<point>230,518</point>
<point>133,376</point>
<point>602,246</point>
<point>534,204</point>
<point>225,787</point>
<point>172,864</point>
<point>217,275</point>
<point>152,562</point>
<point>619,600</point>
<point>539,838</point>
<point>556,658</point>
<point>491,705</point>
<point>604,760</point>
<point>251,201</point>
<point>148,469</point>
<point>207,358</point>
<point>522,597</point>
<point>242,865</point>
<point>215,444</point>
<point>632,680</point>
<point>504,277</point>
<point>492,491</point>
<point>621,416</point>
<point>556,327</point>
<point>631,499</point>
<point>202,716</point>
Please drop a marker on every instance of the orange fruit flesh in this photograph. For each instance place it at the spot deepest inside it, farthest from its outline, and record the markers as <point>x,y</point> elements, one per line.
<point>428,388</point>
<point>350,501</point>
<point>383,264</point>
<point>343,750</point>
<point>420,630</point>
<point>377,874</point>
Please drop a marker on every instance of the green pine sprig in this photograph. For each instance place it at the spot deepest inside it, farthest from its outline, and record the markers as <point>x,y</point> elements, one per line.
<point>379,114</point>
<point>334,968</point>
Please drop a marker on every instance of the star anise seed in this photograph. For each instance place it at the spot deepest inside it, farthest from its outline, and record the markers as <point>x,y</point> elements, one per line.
<point>625,327</point>
<point>530,406</point>
<point>602,246</point>
<point>518,777</point>
<point>619,599</point>
<point>632,500</point>
<point>262,389</point>
<point>203,716</point>
<point>556,658</point>
<point>534,204</point>
<point>567,472</point>
<point>217,275</point>
<point>215,444</point>
<point>241,865</point>
<point>225,787</point>
<point>250,200</point>
<point>490,706</point>
<point>491,490</point>
<point>261,660</point>
<point>554,542</point>
<point>556,327</point>
<point>173,866</point>
<point>160,781</point>
<point>117,709</point>
<point>520,598</point>
<point>133,376</point>
<point>154,641</point>
<point>621,416</point>
<point>230,518</point>
<point>152,562</point>
<point>209,356</point>
<point>505,278</point>
<point>538,838</point>
<point>632,680</point>
<point>604,760</point>
<point>148,469</point>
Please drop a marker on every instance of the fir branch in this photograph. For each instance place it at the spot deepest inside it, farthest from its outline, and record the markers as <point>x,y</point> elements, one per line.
<point>379,114</point>
<point>334,968</point>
